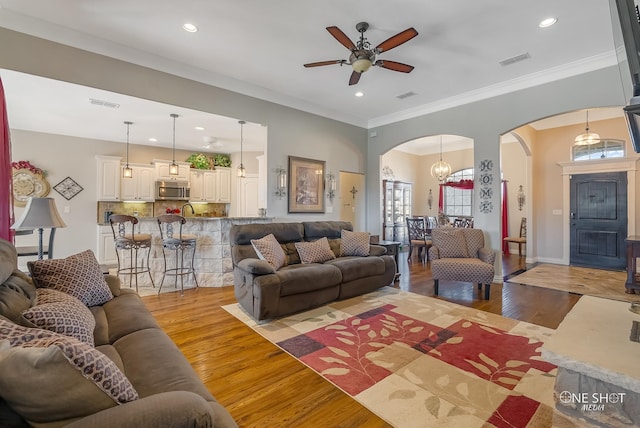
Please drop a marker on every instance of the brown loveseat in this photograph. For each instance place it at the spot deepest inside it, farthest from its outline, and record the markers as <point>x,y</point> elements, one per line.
<point>39,386</point>
<point>268,293</point>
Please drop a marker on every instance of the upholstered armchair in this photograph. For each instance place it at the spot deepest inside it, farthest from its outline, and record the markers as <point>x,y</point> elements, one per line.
<point>458,254</point>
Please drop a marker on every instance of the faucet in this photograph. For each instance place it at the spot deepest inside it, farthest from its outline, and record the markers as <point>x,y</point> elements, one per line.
<point>193,212</point>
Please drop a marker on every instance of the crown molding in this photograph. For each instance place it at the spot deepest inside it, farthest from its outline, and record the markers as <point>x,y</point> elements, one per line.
<point>575,68</point>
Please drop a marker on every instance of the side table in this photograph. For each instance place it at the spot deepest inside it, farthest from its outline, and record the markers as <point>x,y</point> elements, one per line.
<point>393,248</point>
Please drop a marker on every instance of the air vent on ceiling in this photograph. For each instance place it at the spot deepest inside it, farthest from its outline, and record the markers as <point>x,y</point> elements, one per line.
<point>406,95</point>
<point>514,59</point>
<point>103,103</point>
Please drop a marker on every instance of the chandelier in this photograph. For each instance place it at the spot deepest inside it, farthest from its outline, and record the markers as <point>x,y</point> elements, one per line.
<point>587,138</point>
<point>441,169</point>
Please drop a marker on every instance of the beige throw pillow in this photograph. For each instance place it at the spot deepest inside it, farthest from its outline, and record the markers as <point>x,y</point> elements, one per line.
<point>354,243</point>
<point>66,378</point>
<point>450,242</point>
<point>315,252</point>
<point>78,275</point>
<point>269,250</point>
<point>61,313</point>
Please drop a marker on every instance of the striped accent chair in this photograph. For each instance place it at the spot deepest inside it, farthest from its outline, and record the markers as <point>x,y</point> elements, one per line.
<point>458,254</point>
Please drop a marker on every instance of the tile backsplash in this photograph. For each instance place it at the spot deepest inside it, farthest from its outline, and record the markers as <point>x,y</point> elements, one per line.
<point>154,209</point>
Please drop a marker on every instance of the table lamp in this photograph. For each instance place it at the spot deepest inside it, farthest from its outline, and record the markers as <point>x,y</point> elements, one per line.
<point>38,214</point>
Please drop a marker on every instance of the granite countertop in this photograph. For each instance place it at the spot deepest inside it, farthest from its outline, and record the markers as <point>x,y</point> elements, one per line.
<point>190,218</point>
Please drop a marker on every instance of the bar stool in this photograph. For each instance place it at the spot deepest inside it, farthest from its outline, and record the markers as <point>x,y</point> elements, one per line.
<point>125,237</point>
<point>178,243</point>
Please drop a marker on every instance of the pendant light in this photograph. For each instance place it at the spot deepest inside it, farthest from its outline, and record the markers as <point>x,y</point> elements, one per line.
<point>127,172</point>
<point>241,170</point>
<point>173,167</point>
<point>441,169</point>
<point>588,137</point>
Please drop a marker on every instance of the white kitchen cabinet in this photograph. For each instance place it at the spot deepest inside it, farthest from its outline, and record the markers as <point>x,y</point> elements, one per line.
<point>202,185</point>
<point>108,178</point>
<point>223,185</point>
<point>106,251</point>
<point>162,170</point>
<point>141,185</point>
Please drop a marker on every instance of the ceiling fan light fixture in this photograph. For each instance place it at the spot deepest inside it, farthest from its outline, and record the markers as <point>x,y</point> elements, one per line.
<point>361,64</point>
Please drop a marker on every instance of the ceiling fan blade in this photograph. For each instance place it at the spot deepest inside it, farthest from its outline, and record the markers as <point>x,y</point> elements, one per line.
<point>395,66</point>
<point>355,78</point>
<point>397,40</point>
<point>319,63</point>
<point>341,37</point>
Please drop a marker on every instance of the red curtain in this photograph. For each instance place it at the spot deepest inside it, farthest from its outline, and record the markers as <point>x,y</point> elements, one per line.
<point>462,184</point>
<point>6,194</point>
<point>505,219</point>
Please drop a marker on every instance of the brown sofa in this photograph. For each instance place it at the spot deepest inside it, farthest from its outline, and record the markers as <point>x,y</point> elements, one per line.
<point>265,293</point>
<point>170,392</point>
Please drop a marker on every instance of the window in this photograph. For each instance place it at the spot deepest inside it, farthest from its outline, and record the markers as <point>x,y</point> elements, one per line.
<point>600,150</point>
<point>458,202</point>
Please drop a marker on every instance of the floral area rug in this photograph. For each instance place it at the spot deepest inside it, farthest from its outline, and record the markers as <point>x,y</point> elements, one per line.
<point>416,361</point>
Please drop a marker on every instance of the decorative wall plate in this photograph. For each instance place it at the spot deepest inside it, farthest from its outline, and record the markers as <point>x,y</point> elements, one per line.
<point>68,188</point>
<point>27,184</point>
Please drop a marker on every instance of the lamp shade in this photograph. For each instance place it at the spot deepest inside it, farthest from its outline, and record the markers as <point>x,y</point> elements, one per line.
<point>39,213</point>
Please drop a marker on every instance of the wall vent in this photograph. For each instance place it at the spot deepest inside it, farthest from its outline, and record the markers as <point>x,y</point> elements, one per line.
<point>406,95</point>
<point>103,103</point>
<point>514,59</point>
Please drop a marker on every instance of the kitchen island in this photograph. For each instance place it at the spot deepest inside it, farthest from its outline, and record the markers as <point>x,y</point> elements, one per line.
<point>213,254</point>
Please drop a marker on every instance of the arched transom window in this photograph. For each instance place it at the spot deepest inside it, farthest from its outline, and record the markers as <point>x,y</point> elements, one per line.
<point>458,202</point>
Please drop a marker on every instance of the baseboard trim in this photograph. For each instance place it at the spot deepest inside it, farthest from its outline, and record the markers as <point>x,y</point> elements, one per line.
<point>552,261</point>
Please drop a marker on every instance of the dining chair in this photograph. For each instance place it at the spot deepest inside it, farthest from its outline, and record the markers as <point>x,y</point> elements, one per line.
<point>521,239</point>
<point>418,237</point>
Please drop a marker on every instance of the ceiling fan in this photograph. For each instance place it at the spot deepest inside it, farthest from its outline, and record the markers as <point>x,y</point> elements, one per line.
<point>363,56</point>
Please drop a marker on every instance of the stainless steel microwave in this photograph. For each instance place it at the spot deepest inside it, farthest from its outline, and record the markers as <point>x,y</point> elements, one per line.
<point>172,190</point>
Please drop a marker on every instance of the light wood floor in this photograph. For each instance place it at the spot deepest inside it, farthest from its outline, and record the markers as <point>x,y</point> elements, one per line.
<point>262,386</point>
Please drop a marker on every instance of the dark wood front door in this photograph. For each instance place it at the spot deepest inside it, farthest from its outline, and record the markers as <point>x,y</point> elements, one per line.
<point>598,220</point>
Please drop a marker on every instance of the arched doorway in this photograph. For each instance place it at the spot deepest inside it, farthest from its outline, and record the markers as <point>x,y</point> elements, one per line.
<point>408,166</point>
<point>546,153</point>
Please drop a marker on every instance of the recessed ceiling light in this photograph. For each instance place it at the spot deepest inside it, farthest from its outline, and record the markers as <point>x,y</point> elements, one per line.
<point>153,140</point>
<point>191,28</point>
<point>547,22</point>
<point>199,128</point>
<point>359,94</point>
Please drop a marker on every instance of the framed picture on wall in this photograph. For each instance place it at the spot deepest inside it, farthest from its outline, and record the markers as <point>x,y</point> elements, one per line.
<point>306,185</point>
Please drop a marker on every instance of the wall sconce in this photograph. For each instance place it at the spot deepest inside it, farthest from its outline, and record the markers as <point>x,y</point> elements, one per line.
<point>331,185</point>
<point>520,197</point>
<point>430,200</point>
<point>281,182</point>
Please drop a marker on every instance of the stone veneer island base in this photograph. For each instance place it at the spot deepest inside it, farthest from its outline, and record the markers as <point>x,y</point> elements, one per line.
<point>213,254</point>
